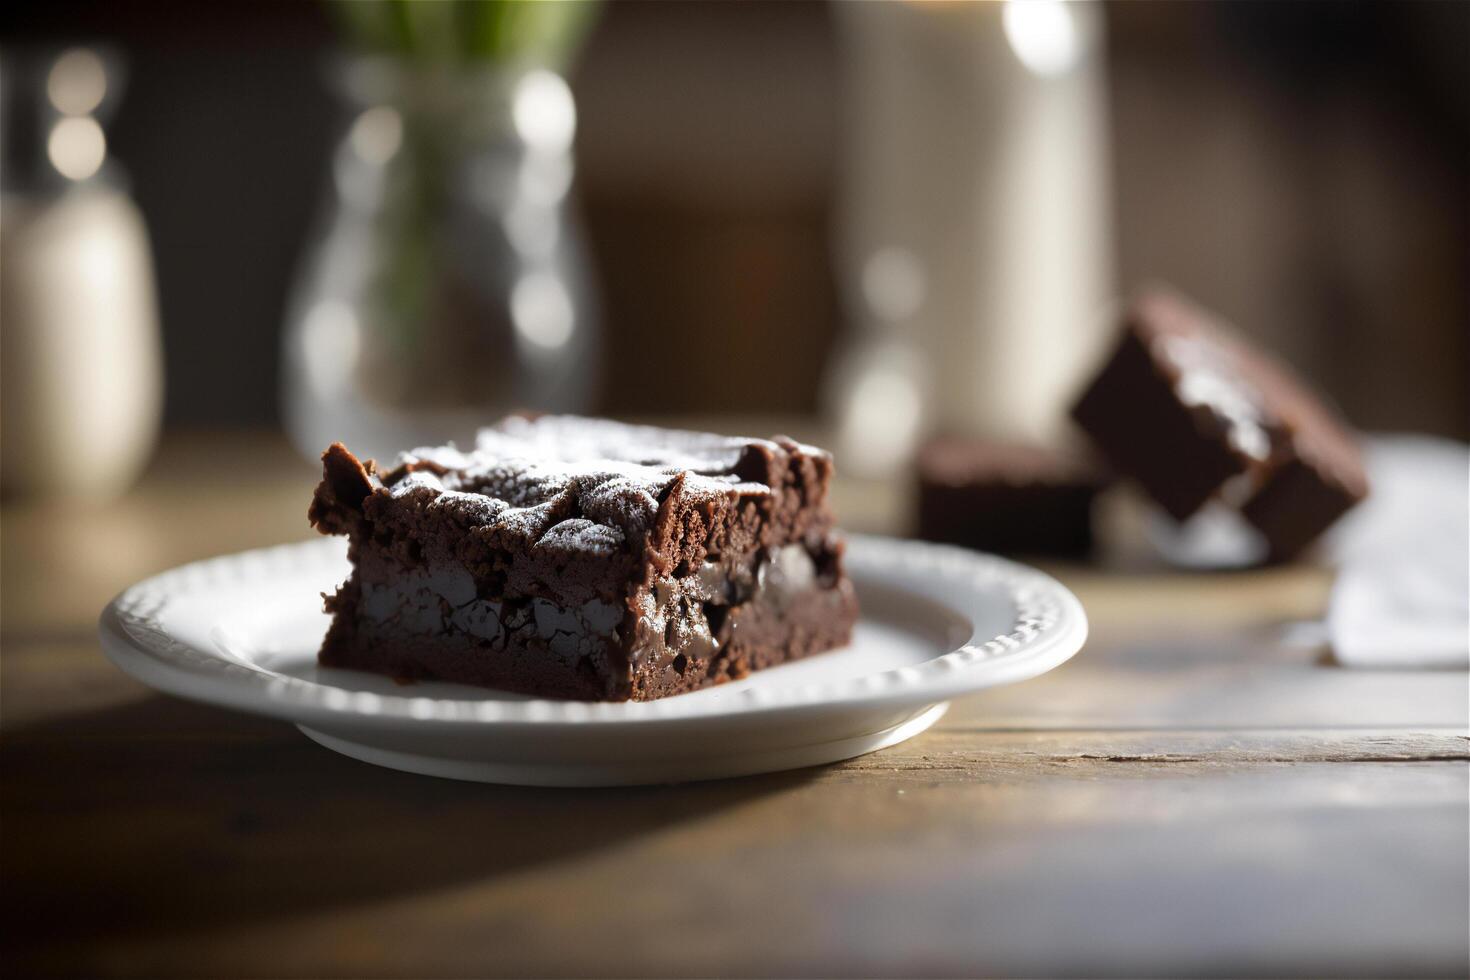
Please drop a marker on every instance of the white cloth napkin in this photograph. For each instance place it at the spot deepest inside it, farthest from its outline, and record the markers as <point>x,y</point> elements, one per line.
<point>1402,595</point>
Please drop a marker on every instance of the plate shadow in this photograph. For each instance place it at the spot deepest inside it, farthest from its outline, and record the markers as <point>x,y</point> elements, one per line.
<point>161,815</point>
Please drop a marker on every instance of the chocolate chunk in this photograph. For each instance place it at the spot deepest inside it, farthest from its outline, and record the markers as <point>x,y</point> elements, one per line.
<point>1006,498</point>
<point>1191,411</point>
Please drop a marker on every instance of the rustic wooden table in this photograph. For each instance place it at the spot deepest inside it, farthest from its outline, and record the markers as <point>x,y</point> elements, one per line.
<point>1193,794</point>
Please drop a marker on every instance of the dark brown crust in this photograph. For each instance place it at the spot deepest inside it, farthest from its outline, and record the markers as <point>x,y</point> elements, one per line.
<point>346,483</point>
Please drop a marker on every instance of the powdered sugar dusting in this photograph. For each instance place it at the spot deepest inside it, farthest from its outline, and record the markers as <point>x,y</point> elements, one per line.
<point>417,480</point>
<point>477,507</point>
<point>565,481</point>
<point>605,444</point>
<point>581,535</point>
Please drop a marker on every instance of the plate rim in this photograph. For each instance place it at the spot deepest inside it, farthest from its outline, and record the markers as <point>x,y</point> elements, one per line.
<point>1049,626</point>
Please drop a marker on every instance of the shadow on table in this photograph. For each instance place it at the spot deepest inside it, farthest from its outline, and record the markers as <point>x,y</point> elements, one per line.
<point>161,816</point>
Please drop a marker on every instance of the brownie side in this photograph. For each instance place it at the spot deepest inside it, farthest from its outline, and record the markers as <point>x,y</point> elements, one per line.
<point>586,579</point>
<point>723,620</point>
<point>1318,474</point>
<point>525,665</point>
<point>1180,453</point>
<point>715,562</point>
<point>426,619</point>
<point>1294,507</point>
<point>1006,498</point>
<point>432,595</point>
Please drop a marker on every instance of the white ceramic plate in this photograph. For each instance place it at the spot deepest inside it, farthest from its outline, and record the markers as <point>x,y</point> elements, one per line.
<point>242,631</point>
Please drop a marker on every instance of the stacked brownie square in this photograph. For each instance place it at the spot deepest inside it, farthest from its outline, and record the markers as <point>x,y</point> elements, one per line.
<point>1193,413</point>
<point>1189,410</point>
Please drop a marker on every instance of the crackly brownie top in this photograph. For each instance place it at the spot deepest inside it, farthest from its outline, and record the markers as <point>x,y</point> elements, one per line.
<point>584,484</point>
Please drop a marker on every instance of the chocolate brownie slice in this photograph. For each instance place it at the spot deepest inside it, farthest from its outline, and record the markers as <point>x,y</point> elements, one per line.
<point>1194,413</point>
<point>579,558</point>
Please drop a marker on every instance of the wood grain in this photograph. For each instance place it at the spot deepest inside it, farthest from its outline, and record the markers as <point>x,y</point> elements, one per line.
<point>1195,794</point>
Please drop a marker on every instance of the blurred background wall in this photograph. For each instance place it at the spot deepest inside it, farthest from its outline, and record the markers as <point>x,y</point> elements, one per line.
<point>1299,167</point>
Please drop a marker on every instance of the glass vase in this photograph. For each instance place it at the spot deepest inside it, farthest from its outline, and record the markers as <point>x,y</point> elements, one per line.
<point>446,283</point>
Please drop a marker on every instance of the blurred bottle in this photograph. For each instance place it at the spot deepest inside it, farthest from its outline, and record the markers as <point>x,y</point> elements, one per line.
<point>447,282</point>
<point>974,232</point>
<point>80,354</point>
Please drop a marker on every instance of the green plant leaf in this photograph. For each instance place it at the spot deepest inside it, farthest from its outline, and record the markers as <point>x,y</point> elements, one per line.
<point>469,32</point>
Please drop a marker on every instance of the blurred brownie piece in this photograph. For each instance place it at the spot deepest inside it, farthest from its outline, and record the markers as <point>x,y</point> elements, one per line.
<point>1190,410</point>
<point>1006,498</point>
<point>581,558</point>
